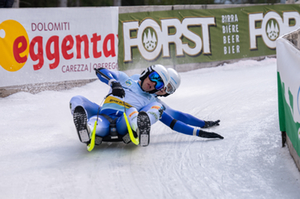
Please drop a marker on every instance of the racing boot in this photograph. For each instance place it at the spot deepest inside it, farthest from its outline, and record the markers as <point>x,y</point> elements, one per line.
<point>143,130</point>
<point>80,121</point>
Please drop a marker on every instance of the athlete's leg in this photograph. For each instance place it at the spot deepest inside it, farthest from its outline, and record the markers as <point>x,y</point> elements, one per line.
<point>85,126</point>
<point>90,108</point>
<point>131,114</point>
<point>140,124</point>
<point>153,111</point>
<point>102,128</point>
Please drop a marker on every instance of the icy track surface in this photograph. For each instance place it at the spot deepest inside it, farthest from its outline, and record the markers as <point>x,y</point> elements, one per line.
<point>41,156</point>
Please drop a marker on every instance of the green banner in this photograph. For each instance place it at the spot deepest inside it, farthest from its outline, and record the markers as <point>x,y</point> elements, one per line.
<point>287,122</point>
<point>288,83</point>
<point>192,36</point>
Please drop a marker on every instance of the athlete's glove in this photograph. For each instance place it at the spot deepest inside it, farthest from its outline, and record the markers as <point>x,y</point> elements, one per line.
<point>205,134</point>
<point>211,123</point>
<point>117,89</point>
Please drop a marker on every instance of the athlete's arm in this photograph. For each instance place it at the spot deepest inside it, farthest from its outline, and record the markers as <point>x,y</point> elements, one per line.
<point>111,78</point>
<point>181,127</point>
<point>188,118</point>
<point>107,76</point>
<point>183,117</point>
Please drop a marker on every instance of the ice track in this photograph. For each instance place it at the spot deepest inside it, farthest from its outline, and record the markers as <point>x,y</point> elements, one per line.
<point>41,156</point>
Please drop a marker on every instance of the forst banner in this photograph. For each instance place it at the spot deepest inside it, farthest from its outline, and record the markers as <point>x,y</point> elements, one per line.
<point>288,70</point>
<point>56,44</point>
<point>191,36</point>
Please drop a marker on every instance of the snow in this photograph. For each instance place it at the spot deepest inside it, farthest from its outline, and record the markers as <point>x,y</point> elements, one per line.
<point>41,156</point>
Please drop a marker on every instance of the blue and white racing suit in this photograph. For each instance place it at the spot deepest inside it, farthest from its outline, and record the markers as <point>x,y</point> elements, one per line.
<point>177,120</point>
<point>135,100</point>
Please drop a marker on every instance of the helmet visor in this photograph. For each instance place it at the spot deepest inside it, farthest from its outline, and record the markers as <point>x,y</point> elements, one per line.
<point>170,88</point>
<point>154,77</point>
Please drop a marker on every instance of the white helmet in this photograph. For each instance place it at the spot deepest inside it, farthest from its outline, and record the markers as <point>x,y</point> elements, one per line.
<point>161,71</point>
<point>174,81</point>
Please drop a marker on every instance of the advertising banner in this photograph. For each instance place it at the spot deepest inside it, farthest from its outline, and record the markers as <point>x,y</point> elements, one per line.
<point>288,70</point>
<point>56,44</point>
<point>192,36</point>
